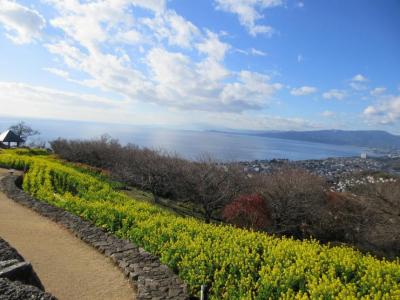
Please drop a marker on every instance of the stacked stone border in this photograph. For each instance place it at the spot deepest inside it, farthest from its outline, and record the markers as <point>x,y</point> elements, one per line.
<point>148,276</point>
<point>18,280</point>
<point>15,290</point>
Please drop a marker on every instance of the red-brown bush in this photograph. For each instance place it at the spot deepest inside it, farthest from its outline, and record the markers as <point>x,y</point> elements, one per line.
<point>249,211</point>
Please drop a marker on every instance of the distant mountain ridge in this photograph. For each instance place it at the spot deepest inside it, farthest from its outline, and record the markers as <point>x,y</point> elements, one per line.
<point>378,139</point>
<point>361,138</point>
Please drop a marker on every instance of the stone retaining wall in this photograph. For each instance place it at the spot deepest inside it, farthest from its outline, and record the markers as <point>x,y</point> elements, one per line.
<point>152,279</point>
<point>18,280</point>
<point>15,290</point>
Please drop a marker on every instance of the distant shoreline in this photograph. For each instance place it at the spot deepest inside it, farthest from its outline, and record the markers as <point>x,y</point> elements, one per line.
<point>375,140</point>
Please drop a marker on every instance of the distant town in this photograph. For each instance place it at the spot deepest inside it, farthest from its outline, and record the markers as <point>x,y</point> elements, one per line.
<point>340,172</point>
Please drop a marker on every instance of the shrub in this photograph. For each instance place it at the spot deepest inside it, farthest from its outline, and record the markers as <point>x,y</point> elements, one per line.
<point>205,183</point>
<point>382,201</point>
<point>297,200</point>
<point>249,211</point>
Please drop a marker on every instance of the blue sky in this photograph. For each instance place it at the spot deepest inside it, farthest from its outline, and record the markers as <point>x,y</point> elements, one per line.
<point>215,64</point>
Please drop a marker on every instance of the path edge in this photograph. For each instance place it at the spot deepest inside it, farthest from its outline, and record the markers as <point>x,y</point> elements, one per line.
<point>146,274</point>
<point>18,279</point>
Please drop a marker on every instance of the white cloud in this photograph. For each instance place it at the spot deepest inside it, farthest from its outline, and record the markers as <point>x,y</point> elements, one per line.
<point>34,101</point>
<point>40,101</point>
<point>212,71</point>
<point>258,121</point>
<point>111,73</point>
<point>327,113</point>
<point>262,29</point>
<point>58,72</point>
<point>252,91</point>
<point>131,36</point>
<point>358,86</point>
<point>161,59</point>
<point>213,47</point>
<point>257,52</point>
<point>370,111</point>
<point>384,112</point>
<point>300,4</point>
<point>23,25</point>
<point>172,75</point>
<point>334,94</point>
<point>249,12</point>
<point>181,83</point>
<point>251,51</point>
<point>92,23</point>
<point>358,82</point>
<point>378,91</point>
<point>359,78</point>
<point>174,28</point>
<point>157,6</point>
<point>303,91</point>
<point>192,76</point>
<point>241,51</point>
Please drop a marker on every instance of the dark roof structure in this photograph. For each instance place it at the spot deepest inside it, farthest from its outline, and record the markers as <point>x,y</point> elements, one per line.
<point>10,137</point>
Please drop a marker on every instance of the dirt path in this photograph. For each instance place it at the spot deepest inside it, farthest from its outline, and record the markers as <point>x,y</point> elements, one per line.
<point>67,267</point>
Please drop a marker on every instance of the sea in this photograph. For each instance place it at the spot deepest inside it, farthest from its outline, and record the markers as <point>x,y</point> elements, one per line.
<point>192,144</point>
<point>234,147</point>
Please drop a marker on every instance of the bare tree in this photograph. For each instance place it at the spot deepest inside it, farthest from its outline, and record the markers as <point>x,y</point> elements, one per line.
<point>128,166</point>
<point>382,201</point>
<point>208,184</point>
<point>99,153</point>
<point>157,169</point>
<point>386,196</point>
<point>296,198</point>
<point>211,185</point>
<point>345,218</point>
<point>23,130</point>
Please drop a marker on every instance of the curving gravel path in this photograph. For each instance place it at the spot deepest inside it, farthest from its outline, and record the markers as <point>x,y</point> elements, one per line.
<point>67,267</point>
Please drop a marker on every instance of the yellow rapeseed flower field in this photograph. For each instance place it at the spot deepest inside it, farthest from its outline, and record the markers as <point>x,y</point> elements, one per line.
<point>235,263</point>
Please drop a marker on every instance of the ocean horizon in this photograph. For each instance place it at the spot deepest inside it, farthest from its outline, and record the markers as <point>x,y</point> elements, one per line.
<point>191,144</point>
<point>234,147</point>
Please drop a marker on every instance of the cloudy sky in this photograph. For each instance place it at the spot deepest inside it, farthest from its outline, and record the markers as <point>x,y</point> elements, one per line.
<point>237,64</point>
